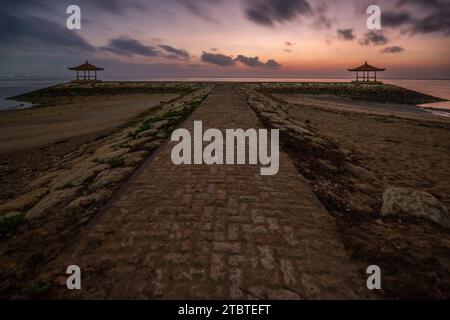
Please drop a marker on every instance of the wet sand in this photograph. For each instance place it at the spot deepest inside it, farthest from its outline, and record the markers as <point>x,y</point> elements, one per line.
<point>402,144</point>
<point>368,107</point>
<point>39,126</point>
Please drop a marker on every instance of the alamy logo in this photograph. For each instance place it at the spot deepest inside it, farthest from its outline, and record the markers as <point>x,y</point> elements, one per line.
<point>374,20</point>
<point>374,280</point>
<point>235,140</point>
<point>74,280</point>
<point>73,21</point>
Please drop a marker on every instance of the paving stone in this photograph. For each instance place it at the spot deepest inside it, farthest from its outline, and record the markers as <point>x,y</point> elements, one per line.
<point>244,235</point>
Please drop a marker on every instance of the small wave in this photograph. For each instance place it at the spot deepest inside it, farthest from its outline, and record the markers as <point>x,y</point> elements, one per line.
<point>441,113</point>
<point>15,105</point>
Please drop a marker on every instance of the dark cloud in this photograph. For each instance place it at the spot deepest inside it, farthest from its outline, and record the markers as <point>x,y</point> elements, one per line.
<point>394,49</point>
<point>254,62</point>
<point>436,22</point>
<point>269,12</point>
<point>289,44</point>
<point>200,8</point>
<point>437,18</point>
<point>116,6</point>
<point>395,19</point>
<point>346,34</point>
<point>272,64</point>
<point>112,6</point>
<point>14,6</point>
<point>130,47</point>
<point>422,3</point>
<point>218,59</point>
<point>375,38</point>
<point>250,61</point>
<point>127,46</point>
<point>175,53</point>
<point>28,30</point>
<point>228,61</point>
<point>321,20</point>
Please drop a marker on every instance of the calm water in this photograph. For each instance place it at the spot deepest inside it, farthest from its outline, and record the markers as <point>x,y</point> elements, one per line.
<point>13,87</point>
<point>10,87</point>
<point>436,88</point>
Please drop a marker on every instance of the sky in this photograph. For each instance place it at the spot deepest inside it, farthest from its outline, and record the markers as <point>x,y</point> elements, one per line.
<point>144,39</point>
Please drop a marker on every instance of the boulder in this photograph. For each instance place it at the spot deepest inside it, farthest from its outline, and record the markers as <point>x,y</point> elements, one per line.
<point>79,160</point>
<point>10,215</point>
<point>362,173</point>
<point>130,159</point>
<point>160,124</point>
<point>103,150</point>
<point>109,155</point>
<point>119,143</point>
<point>50,201</point>
<point>86,164</point>
<point>78,176</point>
<point>299,130</point>
<point>154,144</point>
<point>267,114</point>
<point>139,142</point>
<point>147,133</point>
<point>276,119</point>
<point>45,179</point>
<point>25,201</point>
<point>416,203</point>
<point>97,196</point>
<point>111,176</point>
<point>162,135</point>
<point>328,165</point>
<point>260,107</point>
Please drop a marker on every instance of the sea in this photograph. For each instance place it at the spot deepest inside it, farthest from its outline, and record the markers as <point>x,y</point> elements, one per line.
<point>12,86</point>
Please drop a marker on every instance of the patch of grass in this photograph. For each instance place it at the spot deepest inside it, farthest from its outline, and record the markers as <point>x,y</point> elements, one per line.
<point>115,163</point>
<point>194,104</point>
<point>175,118</point>
<point>68,185</point>
<point>36,288</point>
<point>151,120</point>
<point>168,130</point>
<point>7,224</point>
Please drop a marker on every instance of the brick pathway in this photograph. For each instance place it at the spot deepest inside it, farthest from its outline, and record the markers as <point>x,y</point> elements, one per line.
<point>215,231</point>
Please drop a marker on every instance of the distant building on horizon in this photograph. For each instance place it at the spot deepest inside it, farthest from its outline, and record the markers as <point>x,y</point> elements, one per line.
<point>86,69</point>
<point>366,69</point>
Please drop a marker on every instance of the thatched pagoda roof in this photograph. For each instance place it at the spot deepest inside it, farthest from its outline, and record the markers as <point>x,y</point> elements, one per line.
<point>86,66</point>
<point>366,67</point>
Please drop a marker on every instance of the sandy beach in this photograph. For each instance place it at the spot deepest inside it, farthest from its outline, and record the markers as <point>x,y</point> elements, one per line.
<point>402,144</point>
<point>50,124</point>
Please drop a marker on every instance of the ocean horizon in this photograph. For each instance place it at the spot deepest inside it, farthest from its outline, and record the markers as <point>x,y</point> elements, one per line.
<point>11,86</point>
